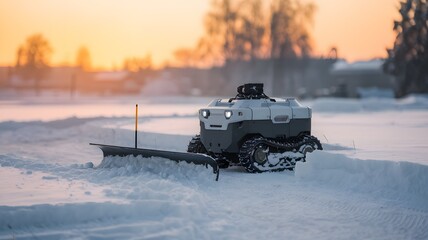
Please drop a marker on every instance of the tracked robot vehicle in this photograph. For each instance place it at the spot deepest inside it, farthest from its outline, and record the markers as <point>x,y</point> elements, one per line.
<point>250,130</point>
<point>255,131</point>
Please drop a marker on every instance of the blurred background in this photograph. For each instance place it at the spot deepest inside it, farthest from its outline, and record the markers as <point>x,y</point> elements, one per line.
<point>303,48</point>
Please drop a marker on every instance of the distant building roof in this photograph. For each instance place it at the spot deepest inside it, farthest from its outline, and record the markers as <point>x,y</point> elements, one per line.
<point>361,67</point>
<point>111,76</point>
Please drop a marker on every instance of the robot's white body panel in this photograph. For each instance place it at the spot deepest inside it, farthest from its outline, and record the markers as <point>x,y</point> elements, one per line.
<point>276,110</point>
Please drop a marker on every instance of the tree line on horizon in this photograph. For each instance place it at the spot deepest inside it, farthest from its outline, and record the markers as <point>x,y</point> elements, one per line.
<point>33,61</point>
<point>251,32</point>
<point>244,30</point>
<point>247,31</point>
<point>35,54</point>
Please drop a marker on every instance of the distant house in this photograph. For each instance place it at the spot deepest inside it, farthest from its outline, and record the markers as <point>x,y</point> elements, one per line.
<point>176,81</point>
<point>57,78</point>
<point>361,79</point>
<point>74,79</point>
<point>106,82</point>
<point>5,74</point>
<point>62,77</point>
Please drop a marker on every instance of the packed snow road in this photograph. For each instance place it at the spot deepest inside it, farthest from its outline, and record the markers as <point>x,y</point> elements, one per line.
<point>364,185</point>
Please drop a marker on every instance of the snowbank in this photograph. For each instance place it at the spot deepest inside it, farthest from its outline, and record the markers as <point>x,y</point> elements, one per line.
<point>399,179</point>
<point>346,105</point>
<point>158,168</point>
<point>157,197</point>
<point>43,216</point>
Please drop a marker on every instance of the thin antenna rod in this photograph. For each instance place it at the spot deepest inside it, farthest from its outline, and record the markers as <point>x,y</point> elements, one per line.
<point>136,124</point>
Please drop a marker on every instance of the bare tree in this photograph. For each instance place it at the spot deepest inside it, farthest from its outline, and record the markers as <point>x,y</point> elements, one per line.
<point>221,29</point>
<point>186,57</point>
<point>289,28</point>
<point>136,64</point>
<point>83,59</point>
<point>33,58</point>
<point>251,30</point>
<point>289,39</point>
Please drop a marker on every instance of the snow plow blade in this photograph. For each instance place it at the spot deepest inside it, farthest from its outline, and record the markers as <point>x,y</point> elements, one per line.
<point>195,158</point>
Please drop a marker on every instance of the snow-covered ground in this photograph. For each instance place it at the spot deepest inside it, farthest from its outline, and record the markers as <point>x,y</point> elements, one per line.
<point>370,182</point>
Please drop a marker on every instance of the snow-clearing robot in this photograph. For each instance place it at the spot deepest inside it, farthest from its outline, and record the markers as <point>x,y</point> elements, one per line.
<point>250,130</point>
<point>255,131</point>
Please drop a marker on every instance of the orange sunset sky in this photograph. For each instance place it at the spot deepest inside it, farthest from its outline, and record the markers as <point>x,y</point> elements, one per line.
<point>117,29</point>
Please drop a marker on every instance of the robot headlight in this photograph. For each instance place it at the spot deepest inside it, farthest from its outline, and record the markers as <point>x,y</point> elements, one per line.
<point>205,113</point>
<point>228,114</point>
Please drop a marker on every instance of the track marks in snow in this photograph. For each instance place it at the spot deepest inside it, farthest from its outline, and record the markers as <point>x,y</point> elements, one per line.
<point>297,210</point>
<point>275,206</point>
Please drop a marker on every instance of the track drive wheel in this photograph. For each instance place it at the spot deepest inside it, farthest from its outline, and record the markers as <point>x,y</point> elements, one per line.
<point>196,146</point>
<point>253,155</point>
